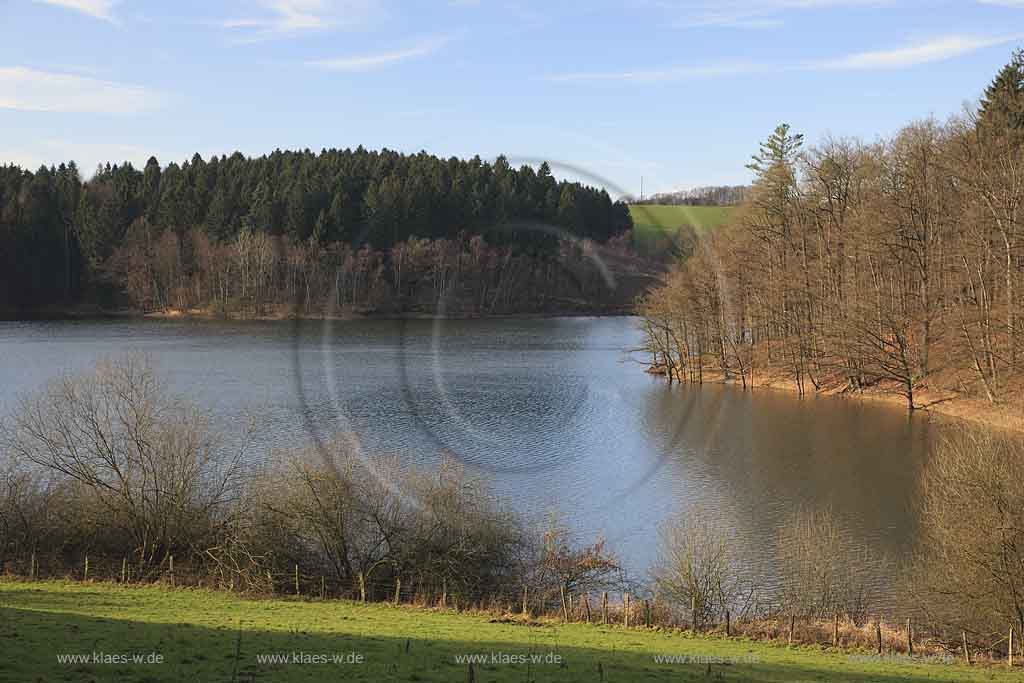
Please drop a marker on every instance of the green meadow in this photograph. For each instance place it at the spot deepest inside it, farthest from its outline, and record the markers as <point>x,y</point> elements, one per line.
<point>202,636</point>
<point>655,225</point>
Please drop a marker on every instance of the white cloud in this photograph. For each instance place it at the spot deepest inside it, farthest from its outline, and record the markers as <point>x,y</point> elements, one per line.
<point>292,17</point>
<point>936,50</point>
<point>26,89</point>
<point>926,52</point>
<point>752,13</point>
<point>101,9</point>
<point>675,73</point>
<point>379,60</point>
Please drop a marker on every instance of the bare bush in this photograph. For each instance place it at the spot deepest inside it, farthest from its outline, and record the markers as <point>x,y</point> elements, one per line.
<point>823,572</point>
<point>968,568</point>
<point>696,571</point>
<point>147,459</point>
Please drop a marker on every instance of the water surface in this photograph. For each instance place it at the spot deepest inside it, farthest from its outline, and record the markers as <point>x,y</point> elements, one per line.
<point>555,412</point>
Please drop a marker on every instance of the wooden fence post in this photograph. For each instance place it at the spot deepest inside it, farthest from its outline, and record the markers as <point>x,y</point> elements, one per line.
<point>1009,650</point>
<point>32,568</point>
<point>362,588</point>
<point>728,624</point>
<point>586,607</point>
<point>647,613</point>
<point>878,634</point>
<point>398,589</point>
<point>444,592</point>
<point>910,638</point>
<point>693,612</point>
<point>296,578</point>
<point>565,609</point>
<point>124,569</point>
<point>323,587</point>
<point>967,651</point>
<point>625,609</point>
<point>792,628</point>
<point>173,582</point>
<point>604,607</point>
<point>526,609</point>
<point>85,574</point>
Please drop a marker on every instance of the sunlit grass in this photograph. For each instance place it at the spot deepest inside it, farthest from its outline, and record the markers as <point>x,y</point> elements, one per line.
<point>212,636</point>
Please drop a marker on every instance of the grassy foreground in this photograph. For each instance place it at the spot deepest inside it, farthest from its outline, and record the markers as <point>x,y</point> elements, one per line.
<point>209,636</point>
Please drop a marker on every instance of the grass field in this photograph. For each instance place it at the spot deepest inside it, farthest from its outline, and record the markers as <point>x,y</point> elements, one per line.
<point>655,225</point>
<point>205,636</point>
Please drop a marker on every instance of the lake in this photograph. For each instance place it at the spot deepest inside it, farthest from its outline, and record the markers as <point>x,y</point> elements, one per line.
<point>555,412</point>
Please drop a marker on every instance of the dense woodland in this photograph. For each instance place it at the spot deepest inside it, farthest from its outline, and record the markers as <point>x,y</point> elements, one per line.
<point>342,229</point>
<point>896,263</point>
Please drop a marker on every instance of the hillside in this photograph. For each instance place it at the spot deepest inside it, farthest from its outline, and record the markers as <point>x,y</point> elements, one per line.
<point>655,225</point>
<point>212,636</point>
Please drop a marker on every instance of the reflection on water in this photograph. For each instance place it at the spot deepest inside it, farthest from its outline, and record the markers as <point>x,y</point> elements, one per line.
<point>553,411</point>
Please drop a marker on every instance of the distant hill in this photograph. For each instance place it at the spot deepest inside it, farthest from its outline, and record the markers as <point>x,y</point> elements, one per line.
<point>655,226</point>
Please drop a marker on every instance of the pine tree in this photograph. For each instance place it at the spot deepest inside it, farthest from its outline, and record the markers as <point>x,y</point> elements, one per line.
<point>1002,105</point>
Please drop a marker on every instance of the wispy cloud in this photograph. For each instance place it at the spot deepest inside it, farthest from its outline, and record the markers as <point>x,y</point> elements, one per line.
<point>26,89</point>
<point>926,52</point>
<point>937,50</point>
<point>673,73</point>
<point>380,60</point>
<point>282,18</point>
<point>101,9</point>
<point>751,13</point>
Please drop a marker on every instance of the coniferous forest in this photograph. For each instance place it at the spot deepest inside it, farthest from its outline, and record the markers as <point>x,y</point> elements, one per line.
<point>346,230</point>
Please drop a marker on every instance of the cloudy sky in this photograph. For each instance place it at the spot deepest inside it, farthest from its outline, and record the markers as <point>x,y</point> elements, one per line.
<point>676,91</point>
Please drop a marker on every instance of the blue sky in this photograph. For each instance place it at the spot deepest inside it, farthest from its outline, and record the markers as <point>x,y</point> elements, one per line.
<point>677,91</point>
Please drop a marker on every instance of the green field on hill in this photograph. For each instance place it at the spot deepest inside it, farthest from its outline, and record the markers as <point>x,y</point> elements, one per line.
<point>655,225</point>
<point>63,631</point>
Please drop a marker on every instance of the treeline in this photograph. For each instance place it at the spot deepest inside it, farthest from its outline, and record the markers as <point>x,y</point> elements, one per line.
<point>714,195</point>
<point>896,263</point>
<point>65,240</point>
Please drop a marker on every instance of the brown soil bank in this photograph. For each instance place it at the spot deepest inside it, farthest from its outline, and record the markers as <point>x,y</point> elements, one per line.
<point>936,399</point>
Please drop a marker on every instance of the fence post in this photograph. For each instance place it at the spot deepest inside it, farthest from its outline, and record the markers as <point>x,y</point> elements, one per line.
<point>444,592</point>
<point>792,628</point>
<point>693,612</point>
<point>647,613</point>
<point>604,607</point>
<point>625,609</point>
<point>1009,650</point>
<point>173,581</point>
<point>835,630</point>
<point>398,589</point>
<point>124,569</point>
<point>526,609</point>
<point>967,651</point>
<point>296,578</point>
<point>323,587</point>
<point>586,606</point>
<point>85,574</point>
<point>878,634</point>
<point>362,588</point>
<point>32,568</point>
<point>910,638</point>
<point>728,624</point>
<point>565,609</point>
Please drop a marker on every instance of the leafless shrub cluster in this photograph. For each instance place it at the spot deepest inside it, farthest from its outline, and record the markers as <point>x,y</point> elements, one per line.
<point>968,569</point>
<point>111,464</point>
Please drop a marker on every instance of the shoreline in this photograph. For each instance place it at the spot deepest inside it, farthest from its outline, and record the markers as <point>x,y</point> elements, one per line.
<point>947,403</point>
<point>284,316</point>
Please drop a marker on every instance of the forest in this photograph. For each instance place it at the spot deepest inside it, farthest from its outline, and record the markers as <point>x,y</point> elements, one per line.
<point>342,229</point>
<point>894,265</point>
